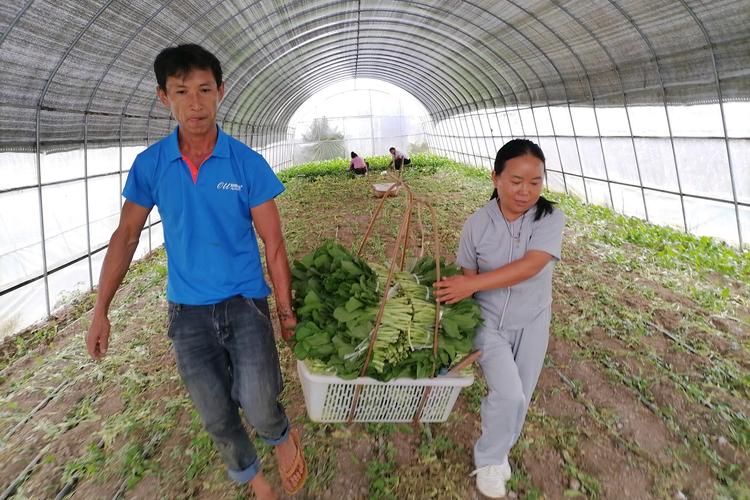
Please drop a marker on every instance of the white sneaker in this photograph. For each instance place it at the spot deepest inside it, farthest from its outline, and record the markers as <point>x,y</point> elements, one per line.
<point>491,480</point>
<point>505,466</point>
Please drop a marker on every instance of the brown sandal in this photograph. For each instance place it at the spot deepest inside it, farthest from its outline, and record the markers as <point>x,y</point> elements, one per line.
<point>298,467</point>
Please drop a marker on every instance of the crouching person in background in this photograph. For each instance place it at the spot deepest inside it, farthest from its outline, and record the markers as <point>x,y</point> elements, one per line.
<point>358,165</point>
<point>398,159</point>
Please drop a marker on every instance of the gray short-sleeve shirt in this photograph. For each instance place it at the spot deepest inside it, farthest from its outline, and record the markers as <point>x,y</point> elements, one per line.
<point>486,244</point>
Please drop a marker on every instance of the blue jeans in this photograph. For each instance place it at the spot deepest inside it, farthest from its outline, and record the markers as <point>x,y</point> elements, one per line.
<point>227,358</point>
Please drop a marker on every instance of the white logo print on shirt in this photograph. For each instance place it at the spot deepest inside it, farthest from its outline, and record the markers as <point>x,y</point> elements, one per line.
<point>229,185</point>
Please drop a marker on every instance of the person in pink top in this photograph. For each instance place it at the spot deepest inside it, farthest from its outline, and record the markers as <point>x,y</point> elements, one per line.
<point>358,165</point>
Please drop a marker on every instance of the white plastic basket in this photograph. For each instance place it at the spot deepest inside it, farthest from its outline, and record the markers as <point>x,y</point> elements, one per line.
<point>381,189</point>
<point>329,398</point>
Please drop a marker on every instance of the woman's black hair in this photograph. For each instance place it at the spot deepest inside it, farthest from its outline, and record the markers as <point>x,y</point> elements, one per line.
<point>354,155</point>
<point>513,149</point>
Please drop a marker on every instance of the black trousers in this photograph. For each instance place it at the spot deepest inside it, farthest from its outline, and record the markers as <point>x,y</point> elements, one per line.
<point>399,162</point>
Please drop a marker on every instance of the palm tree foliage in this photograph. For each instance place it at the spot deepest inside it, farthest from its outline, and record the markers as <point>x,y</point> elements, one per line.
<point>321,142</point>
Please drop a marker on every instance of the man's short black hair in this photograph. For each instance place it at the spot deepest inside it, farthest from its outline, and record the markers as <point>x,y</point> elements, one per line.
<point>180,60</point>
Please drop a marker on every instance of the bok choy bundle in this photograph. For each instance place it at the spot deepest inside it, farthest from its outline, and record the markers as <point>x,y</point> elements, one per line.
<point>337,296</point>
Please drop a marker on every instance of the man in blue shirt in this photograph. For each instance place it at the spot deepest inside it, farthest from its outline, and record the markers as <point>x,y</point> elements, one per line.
<point>213,193</point>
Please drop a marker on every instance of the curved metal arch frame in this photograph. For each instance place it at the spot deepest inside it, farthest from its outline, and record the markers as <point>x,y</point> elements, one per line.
<point>342,73</point>
<point>491,50</point>
<point>385,72</point>
<point>650,46</point>
<point>627,114</point>
<point>570,113</point>
<point>13,23</point>
<point>710,45</point>
<point>447,113</point>
<point>686,7</point>
<point>376,69</point>
<point>123,46</point>
<point>567,99</point>
<point>474,101</point>
<point>444,90</point>
<point>274,64</point>
<point>500,59</point>
<point>448,47</point>
<point>593,104</point>
<point>284,131</point>
<point>717,80</point>
<point>431,82</point>
<point>521,79</point>
<point>404,83</point>
<point>425,53</point>
<point>70,48</point>
<point>154,102</point>
<point>463,104</point>
<point>310,7</point>
<point>445,12</point>
<point>386,75</point>
<point>38,160</point>
<point>562,81</point>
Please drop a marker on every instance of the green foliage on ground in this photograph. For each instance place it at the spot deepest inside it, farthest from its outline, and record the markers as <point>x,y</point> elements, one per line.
<point>669,247</point>
<point>421,163</point>
<point>337,299</point>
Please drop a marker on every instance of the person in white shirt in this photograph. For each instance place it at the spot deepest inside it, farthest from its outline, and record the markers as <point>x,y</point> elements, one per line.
<point>398,159</point>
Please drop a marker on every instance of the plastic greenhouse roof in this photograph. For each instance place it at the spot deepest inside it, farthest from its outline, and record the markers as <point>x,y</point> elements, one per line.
<point>82,69</point>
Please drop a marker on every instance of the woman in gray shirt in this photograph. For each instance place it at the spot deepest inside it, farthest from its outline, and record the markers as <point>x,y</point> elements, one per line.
<point>507,251</point>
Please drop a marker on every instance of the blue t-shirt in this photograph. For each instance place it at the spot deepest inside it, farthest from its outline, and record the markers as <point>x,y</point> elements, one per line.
<point>212,252</point>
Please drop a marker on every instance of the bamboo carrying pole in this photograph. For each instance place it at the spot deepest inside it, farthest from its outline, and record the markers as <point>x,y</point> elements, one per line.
<point>398,258</point>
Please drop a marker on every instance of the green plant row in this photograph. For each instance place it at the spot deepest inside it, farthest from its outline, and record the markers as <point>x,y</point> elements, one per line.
<point>668,247</point>
<point>421,163</point>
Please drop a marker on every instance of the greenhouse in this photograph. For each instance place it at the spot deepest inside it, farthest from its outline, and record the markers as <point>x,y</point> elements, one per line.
<point>642,110</point>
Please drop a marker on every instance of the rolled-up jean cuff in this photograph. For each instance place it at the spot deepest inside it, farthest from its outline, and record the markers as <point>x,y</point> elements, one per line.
<point>243,476</point>
<point>275,442</point>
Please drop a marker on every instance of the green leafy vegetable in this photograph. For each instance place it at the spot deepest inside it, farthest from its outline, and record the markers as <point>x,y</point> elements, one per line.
<point>337,298</point>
